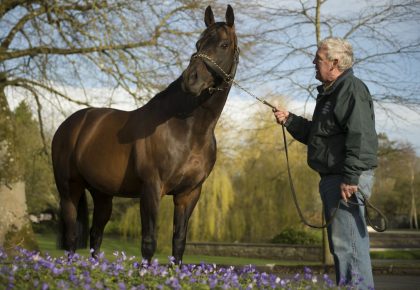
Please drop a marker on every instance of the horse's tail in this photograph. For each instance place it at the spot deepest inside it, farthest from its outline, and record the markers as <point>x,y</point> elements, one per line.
<point>82,224</point>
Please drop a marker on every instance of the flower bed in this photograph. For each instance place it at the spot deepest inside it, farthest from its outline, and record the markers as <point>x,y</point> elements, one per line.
<point>31,270</point>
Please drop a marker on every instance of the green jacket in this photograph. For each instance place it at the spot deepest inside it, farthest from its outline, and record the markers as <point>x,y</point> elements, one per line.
<point>341,137</point>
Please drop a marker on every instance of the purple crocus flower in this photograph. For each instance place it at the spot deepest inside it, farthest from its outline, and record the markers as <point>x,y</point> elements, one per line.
<point>328,281</point>
<point>307,273</point>
<point>171,260</point>
<point>121,286</point>
<point>99,285</point>
<point>57,271</point>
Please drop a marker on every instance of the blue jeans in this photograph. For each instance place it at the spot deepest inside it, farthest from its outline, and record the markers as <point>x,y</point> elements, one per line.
<point>347,234</point>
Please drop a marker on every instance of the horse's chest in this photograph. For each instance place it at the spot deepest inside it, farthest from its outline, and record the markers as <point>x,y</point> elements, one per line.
<point>196,164</point>
<point>193,171</point>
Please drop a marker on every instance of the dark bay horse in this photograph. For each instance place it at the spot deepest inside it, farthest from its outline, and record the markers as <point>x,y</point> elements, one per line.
<point>166,147</point>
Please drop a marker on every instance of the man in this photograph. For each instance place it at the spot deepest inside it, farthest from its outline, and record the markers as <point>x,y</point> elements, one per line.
<point>342,148</point>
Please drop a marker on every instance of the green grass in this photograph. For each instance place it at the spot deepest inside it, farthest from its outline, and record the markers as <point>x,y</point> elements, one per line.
<point>410,254</point>
<point>47,244</point>
<point>111,244</point>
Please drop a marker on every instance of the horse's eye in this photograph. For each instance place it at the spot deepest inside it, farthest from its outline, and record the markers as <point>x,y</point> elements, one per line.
<point>224,45</point>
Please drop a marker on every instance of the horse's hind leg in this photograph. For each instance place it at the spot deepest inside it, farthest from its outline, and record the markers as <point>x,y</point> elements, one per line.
<point>102,209</point>
<point>184,205</point>
<point>70,194</point>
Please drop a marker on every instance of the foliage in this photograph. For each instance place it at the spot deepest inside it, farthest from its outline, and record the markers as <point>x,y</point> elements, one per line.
<point>33,163</point>
<point>24,237</point>
<point>209,220</point>
<point>26,159</point>
<point>32,270</point>
<point>397,180</point>
<point>263,202</point>
<point>45,227</point>
<point>403,254</point>
<point>9,171</point>
<point>297,237</point>
<point>129,224</point>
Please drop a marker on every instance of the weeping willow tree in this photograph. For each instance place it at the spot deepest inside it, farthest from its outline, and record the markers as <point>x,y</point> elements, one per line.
<point>263,197</point>
<point>130,222</point>
<point>209,221</point>
<point>210,218</point>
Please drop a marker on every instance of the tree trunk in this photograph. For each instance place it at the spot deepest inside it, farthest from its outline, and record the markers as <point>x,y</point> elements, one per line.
<point>15,227</point>
<point>413,210</point>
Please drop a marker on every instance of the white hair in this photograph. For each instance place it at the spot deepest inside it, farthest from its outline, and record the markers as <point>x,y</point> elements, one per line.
<point>339,49</point>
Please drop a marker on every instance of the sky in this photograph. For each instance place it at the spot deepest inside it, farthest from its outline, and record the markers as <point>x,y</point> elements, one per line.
<point>397,122</point>
<point>404,126</point>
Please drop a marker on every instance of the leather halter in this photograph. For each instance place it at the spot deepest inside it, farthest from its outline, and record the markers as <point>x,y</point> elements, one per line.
<point>227,77</point>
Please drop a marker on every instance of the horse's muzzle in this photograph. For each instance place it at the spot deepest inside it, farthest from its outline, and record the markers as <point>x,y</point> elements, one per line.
<point>197,78</point>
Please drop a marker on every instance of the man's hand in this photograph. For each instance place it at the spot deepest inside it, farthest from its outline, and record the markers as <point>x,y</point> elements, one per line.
<point>347,190</point>
<point>281,116</point>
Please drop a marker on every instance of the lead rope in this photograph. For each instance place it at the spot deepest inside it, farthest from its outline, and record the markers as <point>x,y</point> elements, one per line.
<point>367,204</point>
<point>365,201</point>
<point>292,188</point>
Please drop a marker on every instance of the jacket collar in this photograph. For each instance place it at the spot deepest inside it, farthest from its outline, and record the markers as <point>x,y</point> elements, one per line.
<point>340,79</point>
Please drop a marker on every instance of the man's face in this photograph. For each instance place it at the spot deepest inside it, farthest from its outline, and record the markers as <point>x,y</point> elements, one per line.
<point>323,66</point>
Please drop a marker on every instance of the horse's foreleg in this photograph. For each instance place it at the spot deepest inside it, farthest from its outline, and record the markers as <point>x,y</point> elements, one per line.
<point>102,209</point>
<point>149,206</point>
<point>184,205</point>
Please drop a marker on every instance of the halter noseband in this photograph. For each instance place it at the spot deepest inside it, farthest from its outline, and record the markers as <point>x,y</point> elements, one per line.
<point>227,78</point>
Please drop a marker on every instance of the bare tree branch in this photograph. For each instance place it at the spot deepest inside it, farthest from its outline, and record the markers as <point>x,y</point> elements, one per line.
<point>26,83</point>
<point>67,51</point>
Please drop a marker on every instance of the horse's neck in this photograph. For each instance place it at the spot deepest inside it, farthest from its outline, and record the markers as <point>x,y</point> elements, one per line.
<point>213,106</point>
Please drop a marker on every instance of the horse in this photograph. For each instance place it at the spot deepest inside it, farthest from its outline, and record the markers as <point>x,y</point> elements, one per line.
<point>166,147</point>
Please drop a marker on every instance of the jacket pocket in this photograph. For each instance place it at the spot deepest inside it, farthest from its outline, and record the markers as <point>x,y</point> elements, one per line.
<point>318,154</point>
<point>336,152</point>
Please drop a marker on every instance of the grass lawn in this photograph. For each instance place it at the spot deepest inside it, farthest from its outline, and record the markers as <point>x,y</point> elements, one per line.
<point>409,254</point>
<point>111,244</point>
<point>46,244</point>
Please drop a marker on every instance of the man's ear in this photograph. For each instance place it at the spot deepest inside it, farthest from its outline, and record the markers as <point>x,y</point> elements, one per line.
<point>334,63</point>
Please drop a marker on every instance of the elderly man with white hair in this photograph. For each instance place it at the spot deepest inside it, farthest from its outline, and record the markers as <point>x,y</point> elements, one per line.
<point>342,148</point>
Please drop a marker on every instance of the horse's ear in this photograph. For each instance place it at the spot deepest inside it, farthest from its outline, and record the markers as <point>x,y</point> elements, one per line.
<point>230,17</point>
<point>208,16</point>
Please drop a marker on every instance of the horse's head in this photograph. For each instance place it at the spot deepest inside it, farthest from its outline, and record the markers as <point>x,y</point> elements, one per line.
<point>217,55</point>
